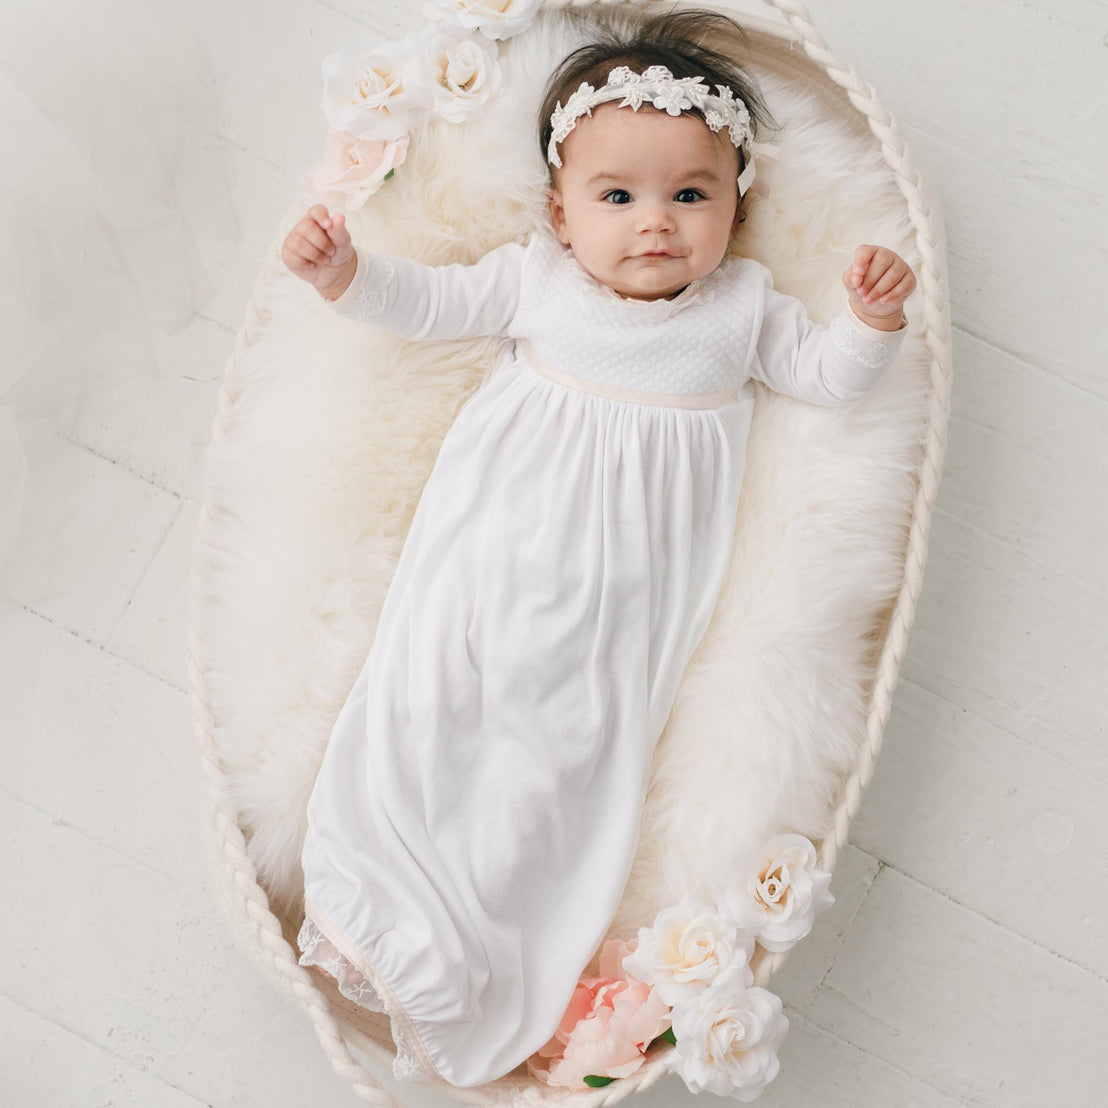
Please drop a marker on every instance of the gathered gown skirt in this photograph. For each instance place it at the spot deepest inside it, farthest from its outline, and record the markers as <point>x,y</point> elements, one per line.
<point>477,811</point>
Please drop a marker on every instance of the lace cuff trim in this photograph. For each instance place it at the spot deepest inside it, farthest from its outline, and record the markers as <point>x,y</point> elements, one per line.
<point>318,950</point>
<point>873,353</point>
<point>368,292</point>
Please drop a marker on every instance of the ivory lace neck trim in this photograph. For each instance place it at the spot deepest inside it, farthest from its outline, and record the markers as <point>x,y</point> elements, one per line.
<point>701,290</point>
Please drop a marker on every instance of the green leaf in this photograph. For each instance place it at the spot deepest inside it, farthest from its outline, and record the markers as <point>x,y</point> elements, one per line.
<point>388,175</point>
<point>666,1036</point>
<point>595,1082</point>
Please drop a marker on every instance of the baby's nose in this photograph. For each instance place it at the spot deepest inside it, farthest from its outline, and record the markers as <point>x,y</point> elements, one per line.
<point>655,217</point>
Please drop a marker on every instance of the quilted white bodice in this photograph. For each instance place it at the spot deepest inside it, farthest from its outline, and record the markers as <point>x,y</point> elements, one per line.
<point>696,342</point>
<point>712,338</point>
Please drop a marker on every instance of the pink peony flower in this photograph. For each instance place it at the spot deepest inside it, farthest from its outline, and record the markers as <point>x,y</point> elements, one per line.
<point>607,1026</point>
<point>357,168</point>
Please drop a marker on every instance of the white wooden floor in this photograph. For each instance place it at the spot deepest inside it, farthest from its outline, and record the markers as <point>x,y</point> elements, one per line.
<point>966,958</point>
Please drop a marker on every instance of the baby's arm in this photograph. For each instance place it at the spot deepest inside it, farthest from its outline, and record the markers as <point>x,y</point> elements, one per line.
<point>841,363</point>
<point>413,300</point>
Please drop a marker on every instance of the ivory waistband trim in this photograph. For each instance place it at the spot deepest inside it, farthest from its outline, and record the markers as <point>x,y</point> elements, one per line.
<point>633,396</point>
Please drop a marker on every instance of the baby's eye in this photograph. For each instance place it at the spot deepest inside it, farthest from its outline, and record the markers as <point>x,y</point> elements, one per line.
<point>618,196</point>
<point>687,196</point>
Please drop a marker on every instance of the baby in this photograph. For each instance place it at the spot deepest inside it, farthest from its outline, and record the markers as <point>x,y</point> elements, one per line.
<point>476,814</point>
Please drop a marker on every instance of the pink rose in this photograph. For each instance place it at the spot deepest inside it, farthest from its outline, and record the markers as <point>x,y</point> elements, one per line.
<point>357,168</point>
<point>607,1026</point>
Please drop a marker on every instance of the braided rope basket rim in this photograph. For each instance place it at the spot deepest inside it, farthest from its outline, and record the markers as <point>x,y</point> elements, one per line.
<point>235,879</point>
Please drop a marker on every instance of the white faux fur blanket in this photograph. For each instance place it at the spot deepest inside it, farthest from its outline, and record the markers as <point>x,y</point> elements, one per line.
<point>337,424</point>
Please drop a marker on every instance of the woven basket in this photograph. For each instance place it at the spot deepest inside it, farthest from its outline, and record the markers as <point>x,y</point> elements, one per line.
<point>355,1039</point>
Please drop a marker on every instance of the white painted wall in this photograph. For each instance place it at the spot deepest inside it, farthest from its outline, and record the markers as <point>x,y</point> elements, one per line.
<point>147,153</point>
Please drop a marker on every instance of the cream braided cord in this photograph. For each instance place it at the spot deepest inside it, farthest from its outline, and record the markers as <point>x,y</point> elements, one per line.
<point>934,298</point>
<point>233,864</point>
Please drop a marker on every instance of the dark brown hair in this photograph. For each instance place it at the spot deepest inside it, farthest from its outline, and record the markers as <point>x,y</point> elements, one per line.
<point>675,39</point>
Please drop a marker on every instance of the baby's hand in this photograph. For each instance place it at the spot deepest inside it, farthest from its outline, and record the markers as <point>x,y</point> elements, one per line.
<point>318,249</point>
<point>878,282</point>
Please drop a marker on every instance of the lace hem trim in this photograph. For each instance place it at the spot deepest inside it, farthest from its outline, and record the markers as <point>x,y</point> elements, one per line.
<point>873,353</point>
<point>318,950</point>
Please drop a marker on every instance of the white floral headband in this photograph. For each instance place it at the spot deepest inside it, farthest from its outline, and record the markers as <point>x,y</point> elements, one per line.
<point>667,93</point>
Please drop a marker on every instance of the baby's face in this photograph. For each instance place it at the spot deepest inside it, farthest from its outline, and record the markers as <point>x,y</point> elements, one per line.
<point>646,200</point>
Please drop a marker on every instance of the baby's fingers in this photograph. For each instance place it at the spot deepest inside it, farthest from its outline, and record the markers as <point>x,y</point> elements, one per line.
<point>320,228</point>
<point>878,269</point>
<point>863,257</point>
<point>336,229</point>
<point>889,280</point>
<point>870,262</point>
<point>311,245</point>
<point>901,290</point>
<point>309,233</point>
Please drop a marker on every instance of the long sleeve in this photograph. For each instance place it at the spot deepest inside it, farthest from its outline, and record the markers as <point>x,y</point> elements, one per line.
<point>834,365</point>
<point>435,302</point>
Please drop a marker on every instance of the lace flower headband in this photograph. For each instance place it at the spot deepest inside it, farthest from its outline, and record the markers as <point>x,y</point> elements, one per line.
<point>667,93</point>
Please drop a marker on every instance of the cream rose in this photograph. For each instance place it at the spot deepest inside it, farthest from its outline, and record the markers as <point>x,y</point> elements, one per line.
<point>365,89</point>
<point>498,19</point>
<point>686,948</point>
<point>783,893</point>
<point>454,73</point>
<point>728,1038</point>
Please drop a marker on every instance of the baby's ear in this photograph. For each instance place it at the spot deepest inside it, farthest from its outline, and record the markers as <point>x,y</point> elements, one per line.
<point>739,217</point>
<point>557,213</point>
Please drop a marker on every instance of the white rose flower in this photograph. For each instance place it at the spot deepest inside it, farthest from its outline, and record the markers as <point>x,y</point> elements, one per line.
<point>686,948</point>
<point>365,92</point>
<point>495,18</point>
<point>783,893</point>
<point>454,73</point>
<point>728,1037</point>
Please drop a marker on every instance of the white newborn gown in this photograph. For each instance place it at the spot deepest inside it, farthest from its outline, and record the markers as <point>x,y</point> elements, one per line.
<point>477,811</point>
